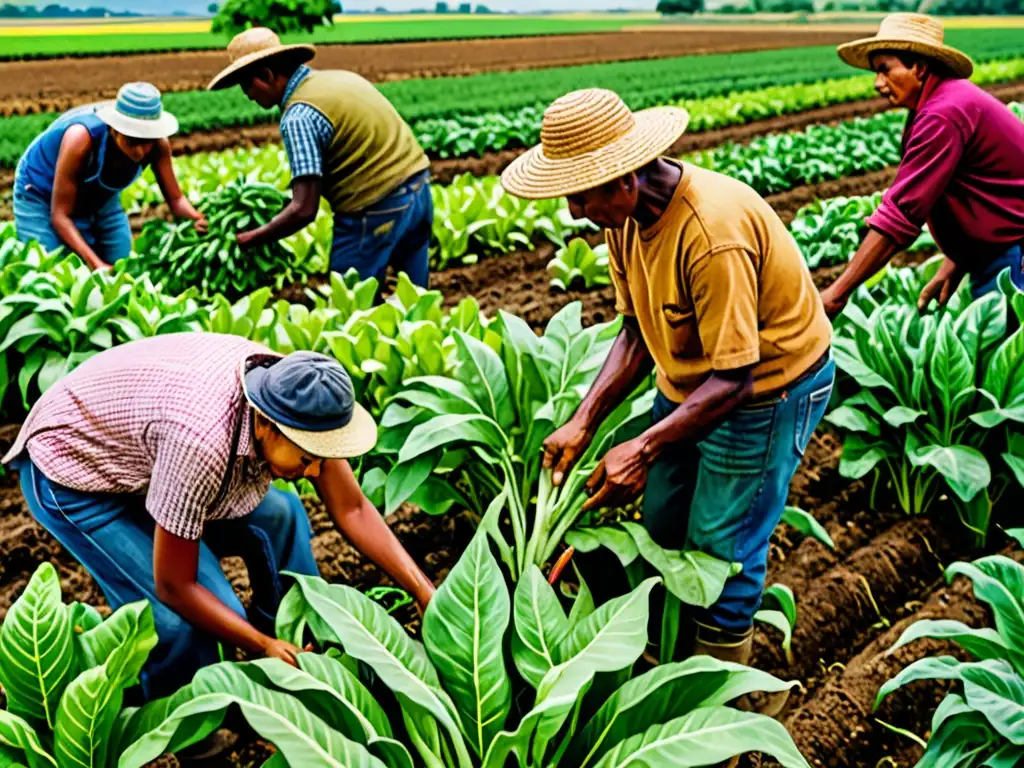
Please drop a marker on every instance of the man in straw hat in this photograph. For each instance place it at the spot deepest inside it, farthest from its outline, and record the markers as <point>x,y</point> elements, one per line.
<point>962,169</point>
<point>67,187</point>
<point>344,141</point>
<point>716,297</point>
<point>153,459</point>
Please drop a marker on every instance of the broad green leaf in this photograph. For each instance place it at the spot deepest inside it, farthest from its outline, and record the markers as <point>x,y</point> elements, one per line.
<point>696,578</point>
<point>610,638</point>
<point>481,369</point>
<point>853,420</point>
<point>131,624</point>
<point>930,668</point>
<point>784,598</point>
<point>343,615</point>
<point>20,737</point>
<point>405,479</point>
<point>965,469</point>
<point>1005,375</point>
<point>706,736</point>
<point>997,691</point>
<point>999,581</point>
<point>463,630</point>
<point>958,739</point>
<point>982,643</point>
<point>583,605</point>
<point>950,369</point>
<point>86,716</point>
<point>540,626</point>
<point>806,524</point>
<point>300,736</point>
<point>611,536</point>
<point>860,456</point>
<point>448,429</point>
<point>37,652</point>
<point>661,694</point>
<point>900,416</point>
<point>781,622</point>
<point>1016,534</point>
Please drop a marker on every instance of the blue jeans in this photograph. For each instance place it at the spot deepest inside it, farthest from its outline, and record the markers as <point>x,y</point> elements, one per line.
<point>394,231</point>
<point>985,280</point>
<point>112,536</point>
<point>107,231</point>
<point>724,495</point>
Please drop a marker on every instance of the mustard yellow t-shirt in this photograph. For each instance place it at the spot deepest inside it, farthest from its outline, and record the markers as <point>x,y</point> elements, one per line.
<point>718,283</point>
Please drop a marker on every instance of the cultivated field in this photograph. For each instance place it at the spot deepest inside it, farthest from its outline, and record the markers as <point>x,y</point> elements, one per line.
<point>911,450</point>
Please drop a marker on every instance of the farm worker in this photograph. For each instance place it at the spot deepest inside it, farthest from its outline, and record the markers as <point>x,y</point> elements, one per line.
<point>962,169</point>
<point>717,299</point>
<point>68,184</point>
<point>153,459</point>
<point>346,142</point>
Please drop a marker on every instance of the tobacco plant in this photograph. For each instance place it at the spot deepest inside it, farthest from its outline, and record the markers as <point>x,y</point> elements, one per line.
<point>501,675</point>
<point>578,262</point>
<point>980,723</point>
<point>64,671</point>
<point>938,400</point>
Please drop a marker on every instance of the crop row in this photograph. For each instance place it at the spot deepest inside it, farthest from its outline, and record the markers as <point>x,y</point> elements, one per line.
<point>479,113</point>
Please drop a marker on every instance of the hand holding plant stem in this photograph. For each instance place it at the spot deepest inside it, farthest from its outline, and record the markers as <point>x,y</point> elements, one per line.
<point>620,476</point>
<point>564,447</point>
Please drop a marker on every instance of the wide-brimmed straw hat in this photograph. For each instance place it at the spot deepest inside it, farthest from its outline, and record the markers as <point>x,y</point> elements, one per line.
<point>588,138</point>
<point>309,397</point>
<point>252,46</point>
<point>913,32</point>
<point>138,112</point>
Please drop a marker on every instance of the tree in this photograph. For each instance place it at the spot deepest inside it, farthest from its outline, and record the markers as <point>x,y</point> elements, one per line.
<point>282,16</point>
<point>212,9</point>
<point>465,7</point>
<point>680,6</point>
<point>441,7</point>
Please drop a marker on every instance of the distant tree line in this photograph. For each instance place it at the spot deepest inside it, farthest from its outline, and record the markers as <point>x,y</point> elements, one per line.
<point>940,7</point>
<point>54,11</point>
<point>443,7</point>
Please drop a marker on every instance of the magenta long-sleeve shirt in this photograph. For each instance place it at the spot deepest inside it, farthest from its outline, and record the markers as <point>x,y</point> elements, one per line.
<point>962,172</point>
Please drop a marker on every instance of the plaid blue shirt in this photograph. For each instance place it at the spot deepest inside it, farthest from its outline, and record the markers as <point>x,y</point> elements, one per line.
<point>305,130</point>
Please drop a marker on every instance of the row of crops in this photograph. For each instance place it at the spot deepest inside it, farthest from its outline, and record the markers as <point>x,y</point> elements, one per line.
<point>474,114</point>
<point>930,408</point>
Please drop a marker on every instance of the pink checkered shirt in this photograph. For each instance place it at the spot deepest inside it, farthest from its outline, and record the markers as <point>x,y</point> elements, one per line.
<point>154,417</point>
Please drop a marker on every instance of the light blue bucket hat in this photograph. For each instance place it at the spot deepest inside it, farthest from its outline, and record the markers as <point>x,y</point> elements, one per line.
<point>138,112</point>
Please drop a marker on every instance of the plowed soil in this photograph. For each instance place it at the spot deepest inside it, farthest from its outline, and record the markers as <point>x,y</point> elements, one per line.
<point>57,84</point>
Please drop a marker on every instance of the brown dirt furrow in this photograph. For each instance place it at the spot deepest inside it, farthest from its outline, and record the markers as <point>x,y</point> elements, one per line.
<point>857,594</point>
<point>57,84</point>
<point>838,728</point>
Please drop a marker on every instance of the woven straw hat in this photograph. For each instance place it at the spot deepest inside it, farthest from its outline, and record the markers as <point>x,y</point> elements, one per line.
<point>138,112</point>
<point>254,45</point>
<point>912,32</point>
<point>588,138</point>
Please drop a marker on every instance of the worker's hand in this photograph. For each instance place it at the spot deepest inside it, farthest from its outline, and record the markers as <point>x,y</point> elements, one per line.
<point>942,286</point>
<point>245,238</point>
<point>202,226</point>
<point>619,478</point>
<point>563,448</point>
<point>283,650</point>
<point>834,302</point>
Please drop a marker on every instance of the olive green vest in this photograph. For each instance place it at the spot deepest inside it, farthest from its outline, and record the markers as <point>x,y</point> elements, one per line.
<point>373,150</point>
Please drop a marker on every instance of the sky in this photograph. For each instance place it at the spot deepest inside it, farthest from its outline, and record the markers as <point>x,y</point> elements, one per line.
<point>523,6</point>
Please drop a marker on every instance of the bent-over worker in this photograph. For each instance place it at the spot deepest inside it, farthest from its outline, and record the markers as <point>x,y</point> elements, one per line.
<point>68,184</point>
<point>716,297</point>
<point>153,459</point>
<point>962,169</point>
<point>346,142</point>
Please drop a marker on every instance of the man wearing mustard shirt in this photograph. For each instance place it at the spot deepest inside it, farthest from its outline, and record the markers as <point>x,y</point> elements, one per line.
<point>347,143</point>
<point>716,297</point>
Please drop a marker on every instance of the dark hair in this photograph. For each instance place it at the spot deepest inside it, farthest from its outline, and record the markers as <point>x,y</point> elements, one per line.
<point>908,59</point>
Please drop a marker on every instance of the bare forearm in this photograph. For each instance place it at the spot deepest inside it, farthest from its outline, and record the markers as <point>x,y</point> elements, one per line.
<point>874,253</point>
<point>200,608</point>
<point>367,531</point>
<point>72,238</point>
<point>182,208</point>
<point>289,221</point>
<point>712,400</point>
<point>628,362</point>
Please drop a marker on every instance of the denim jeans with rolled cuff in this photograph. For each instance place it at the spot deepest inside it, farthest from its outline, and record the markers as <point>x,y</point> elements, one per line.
<point>394,231</point>
<point>986,279</point>
<point>111,535</point>
<point>724,495</point>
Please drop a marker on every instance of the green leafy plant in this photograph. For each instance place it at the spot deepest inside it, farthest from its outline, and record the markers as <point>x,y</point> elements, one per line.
<point>782,616</point>
<point>283,16</point>
<point>578,262</point>
<point>64,671</point>
<point>980,723</point>
<point>938,398</point>
<point>178,257</point>
<point>498,674</point>
<point>478,435</point>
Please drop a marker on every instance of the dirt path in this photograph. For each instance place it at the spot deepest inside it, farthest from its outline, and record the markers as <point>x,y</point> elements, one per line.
<point>57,84</point>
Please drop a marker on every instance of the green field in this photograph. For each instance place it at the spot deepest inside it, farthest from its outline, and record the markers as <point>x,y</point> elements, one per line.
<point>39,42</point>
